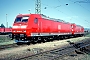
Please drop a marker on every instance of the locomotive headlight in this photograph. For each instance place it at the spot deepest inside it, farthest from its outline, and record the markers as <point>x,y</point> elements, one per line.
<point>24,30</point>
<point>23,26</point>
<point>15,27</point>
<point>14,31</point>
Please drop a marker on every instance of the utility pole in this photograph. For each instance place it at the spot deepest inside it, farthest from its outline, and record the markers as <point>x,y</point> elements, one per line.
<point>6,21</point>
<point>38,7</point>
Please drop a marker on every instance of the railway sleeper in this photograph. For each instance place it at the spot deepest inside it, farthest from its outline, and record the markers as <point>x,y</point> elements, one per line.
<point>81,48</point>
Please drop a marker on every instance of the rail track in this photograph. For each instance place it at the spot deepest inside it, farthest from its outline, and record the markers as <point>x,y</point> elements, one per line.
<point>3,47</point>
<point>49,55</point>
<point>59,52</point>
<point>14,45</point>
<point>53,54</point>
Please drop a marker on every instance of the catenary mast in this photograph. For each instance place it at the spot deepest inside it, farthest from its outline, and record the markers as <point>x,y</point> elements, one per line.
<point>38,7</point>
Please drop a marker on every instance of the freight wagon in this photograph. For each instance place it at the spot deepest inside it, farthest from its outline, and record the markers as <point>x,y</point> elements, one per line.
<point>5,31</point>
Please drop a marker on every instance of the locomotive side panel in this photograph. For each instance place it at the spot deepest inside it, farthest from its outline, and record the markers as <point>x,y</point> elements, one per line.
<point>78,30</point>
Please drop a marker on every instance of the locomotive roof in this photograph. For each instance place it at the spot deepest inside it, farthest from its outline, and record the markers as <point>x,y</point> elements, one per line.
<point>79,25</point>
<point>58,20</point>
<point>23,15</point>
<point>46,17</point>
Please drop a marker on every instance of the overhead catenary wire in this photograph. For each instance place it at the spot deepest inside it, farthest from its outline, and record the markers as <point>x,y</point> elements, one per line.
<point>80,5</point>
<point>73,13</point>
<point>59,10</point>
<point>83,8</point>
<point>55,7</point>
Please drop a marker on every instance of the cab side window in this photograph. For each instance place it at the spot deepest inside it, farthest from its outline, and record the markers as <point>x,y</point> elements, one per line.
<point>36,20</point>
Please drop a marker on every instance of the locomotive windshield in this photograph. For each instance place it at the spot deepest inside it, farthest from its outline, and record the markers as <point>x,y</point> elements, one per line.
<point>22,19</point>
<point>18,19</point>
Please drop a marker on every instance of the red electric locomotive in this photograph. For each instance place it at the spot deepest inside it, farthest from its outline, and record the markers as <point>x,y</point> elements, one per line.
<point>77,30</point>
<point>38,27</point>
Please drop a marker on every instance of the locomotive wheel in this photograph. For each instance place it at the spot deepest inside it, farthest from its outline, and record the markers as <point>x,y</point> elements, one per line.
<point>44,39</point>
<point>54,37</point>
<point>28,43</point>
<point>18,43</point>
<point>64,37</point>
<point>35,41</point>
<point>61,38</point>
<point>50,39</point>
<point>68,37</point>
<point>39,39</point>
<point>58,38</point>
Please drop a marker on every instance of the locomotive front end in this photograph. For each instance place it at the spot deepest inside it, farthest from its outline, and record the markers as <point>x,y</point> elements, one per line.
<point>19,28</point>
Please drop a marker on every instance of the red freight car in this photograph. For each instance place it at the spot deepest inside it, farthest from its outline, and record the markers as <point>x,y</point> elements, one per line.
<point>8,30</point>
<point>35,27</point>
<point>1,30</point>
<point>5,30</point>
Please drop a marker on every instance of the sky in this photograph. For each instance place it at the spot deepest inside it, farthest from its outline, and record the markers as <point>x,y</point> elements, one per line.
<point>77,11</point>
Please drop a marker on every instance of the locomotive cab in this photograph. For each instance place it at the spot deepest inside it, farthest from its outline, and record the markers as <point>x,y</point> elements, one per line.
<point>23,26</point>
<point>20,24</point>
<point>77,30</point>
<point>73,26</point>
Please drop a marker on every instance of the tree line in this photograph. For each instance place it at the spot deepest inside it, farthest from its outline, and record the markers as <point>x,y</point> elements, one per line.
<point>3,26</point>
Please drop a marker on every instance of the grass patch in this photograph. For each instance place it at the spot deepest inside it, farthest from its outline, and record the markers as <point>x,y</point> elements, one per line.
<point>88,35</point>
<point>4,40</point>
<point>6,43</point>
